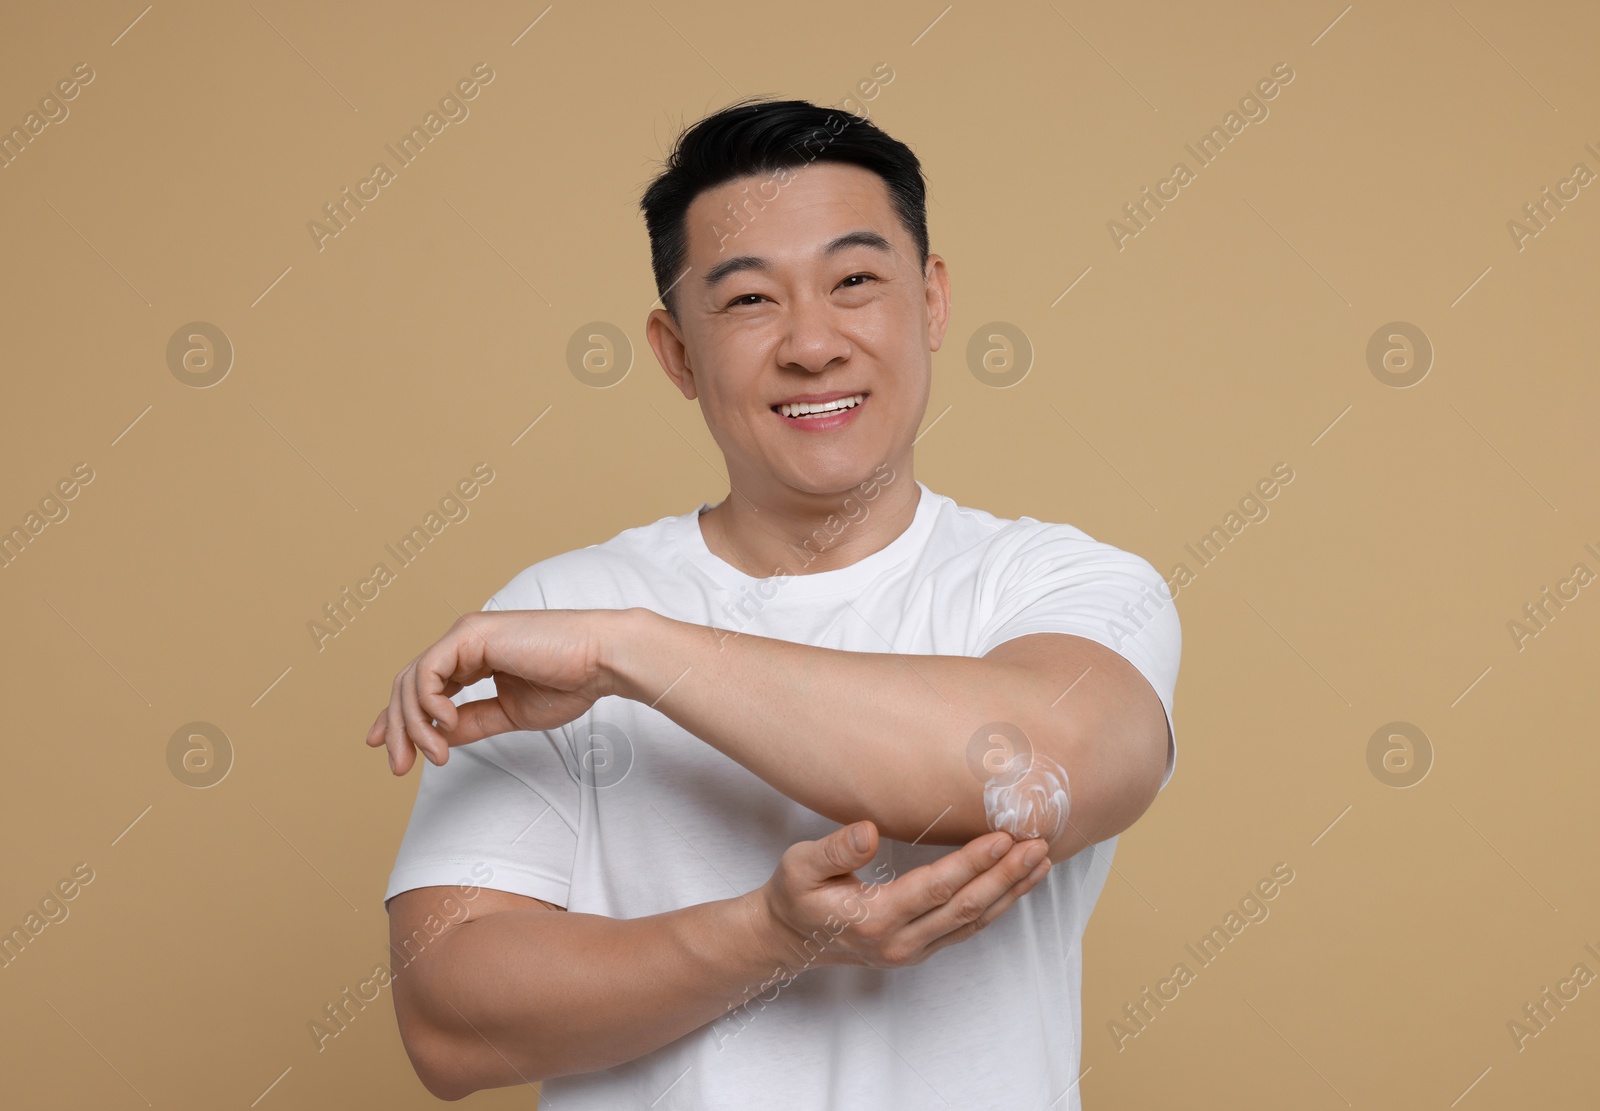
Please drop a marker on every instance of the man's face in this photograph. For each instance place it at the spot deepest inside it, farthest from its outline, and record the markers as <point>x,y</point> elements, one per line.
<point>811,293</point>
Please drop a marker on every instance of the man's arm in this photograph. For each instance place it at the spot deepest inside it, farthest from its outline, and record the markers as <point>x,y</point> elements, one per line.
<point>885,737</point>
<point>518,991</point>
<point>851,735</point>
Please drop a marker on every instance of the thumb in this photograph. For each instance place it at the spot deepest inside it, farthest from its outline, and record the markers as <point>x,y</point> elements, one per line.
<point>849,847</point>
<point>484,717</point>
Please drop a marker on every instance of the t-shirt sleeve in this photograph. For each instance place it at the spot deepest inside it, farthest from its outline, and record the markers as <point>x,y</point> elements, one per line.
<point>502,812</point>
<point>1059,580</point>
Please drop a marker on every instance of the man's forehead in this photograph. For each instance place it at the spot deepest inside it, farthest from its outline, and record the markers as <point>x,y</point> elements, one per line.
<point>775,214</point>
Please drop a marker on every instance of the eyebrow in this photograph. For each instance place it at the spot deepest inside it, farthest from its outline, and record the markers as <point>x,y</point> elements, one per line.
<point>859,238</point>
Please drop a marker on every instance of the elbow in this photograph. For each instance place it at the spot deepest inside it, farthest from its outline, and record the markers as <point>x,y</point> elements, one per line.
<point>446,1064</point>
<point>438,1068</point>
<point>447,1092</point>
<point>1116,786</point>
<point>1151,771</point>
<point>453,1064</point>
<point>1132,791</point>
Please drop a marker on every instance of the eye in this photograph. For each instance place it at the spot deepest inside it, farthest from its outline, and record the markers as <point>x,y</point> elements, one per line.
<point>744,299</point>
<point>853,277</point>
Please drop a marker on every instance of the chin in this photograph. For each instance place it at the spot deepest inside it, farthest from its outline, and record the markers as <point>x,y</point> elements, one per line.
<point>836,478</point>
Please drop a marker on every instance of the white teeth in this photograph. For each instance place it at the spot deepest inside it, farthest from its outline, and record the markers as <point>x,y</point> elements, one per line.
<point>800,409</point>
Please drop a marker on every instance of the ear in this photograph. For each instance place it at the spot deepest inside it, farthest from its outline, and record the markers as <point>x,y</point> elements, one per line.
<point>666,340</point>
<point>936,285</point>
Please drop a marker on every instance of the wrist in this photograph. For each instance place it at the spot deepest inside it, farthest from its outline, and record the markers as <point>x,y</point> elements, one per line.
<point>620,637</point>
<point>773,943</point>
<point>730,947</point>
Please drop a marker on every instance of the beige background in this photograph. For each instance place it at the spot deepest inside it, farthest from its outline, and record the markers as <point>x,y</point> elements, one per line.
<point>1229,336</point>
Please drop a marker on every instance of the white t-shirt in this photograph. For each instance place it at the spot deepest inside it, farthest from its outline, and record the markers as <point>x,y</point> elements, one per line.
<point>624,813</point>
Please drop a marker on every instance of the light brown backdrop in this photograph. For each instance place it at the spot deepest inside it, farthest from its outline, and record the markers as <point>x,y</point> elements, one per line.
<point>1230,335</point>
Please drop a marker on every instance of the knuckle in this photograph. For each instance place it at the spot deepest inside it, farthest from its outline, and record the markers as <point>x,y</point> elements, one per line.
<point>871,930</point>
<point>968,909</point>
<point>940,890</point>
<point>896,954</point>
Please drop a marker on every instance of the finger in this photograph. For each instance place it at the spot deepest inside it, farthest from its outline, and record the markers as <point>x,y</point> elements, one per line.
<point>840,853</point>
<point>443,669</point>
<point>971,900</point>
<point>442,708</point>
<point>432,681</point>
<point>419,725</point>
<point>375,731</point>
<point>475,720</point>
<point>401,753</point>
<point>931,886</point>
<point>996,909</point>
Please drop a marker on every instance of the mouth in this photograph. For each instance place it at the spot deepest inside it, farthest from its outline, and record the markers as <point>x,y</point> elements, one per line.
<point>804,412</point>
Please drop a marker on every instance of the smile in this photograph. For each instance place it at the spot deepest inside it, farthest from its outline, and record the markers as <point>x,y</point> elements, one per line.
<point>803,411</point>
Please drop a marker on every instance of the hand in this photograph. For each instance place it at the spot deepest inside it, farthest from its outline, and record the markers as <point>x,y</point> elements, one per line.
<point>899,923</point>
<point>548,668</point>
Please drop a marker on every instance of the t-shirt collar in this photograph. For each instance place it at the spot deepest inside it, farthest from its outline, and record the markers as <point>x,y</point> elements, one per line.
<point>799,583</point>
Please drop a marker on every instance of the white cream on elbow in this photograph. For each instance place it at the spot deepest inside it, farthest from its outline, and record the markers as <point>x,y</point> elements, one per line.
<point>1028,797</point>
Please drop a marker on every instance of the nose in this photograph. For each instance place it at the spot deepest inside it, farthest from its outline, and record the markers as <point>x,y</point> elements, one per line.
<point>812,341</point>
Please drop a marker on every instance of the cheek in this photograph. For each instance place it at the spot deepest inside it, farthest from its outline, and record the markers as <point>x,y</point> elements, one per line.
<point>886,334</point>
<point>903,360</point>
<point>731,354</point>
<point>731,402</point>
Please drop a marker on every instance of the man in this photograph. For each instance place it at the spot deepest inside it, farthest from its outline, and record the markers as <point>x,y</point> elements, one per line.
<point>675,750</point>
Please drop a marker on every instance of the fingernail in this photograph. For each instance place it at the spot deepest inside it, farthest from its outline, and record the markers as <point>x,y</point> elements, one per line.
<point>858,838</point>
<point>1033,856</point>
<point>1002,845</point>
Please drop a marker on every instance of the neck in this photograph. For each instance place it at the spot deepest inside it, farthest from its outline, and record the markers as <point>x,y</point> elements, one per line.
<point>801,533</point>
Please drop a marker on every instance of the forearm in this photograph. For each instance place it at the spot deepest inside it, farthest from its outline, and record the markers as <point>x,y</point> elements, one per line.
<point>852,735</point>
<point>526,994</point>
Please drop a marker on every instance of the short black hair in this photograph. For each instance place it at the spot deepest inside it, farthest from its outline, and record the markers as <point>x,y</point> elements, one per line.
<point>759,136</point>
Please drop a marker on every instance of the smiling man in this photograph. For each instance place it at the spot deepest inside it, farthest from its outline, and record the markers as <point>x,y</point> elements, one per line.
<point>800,800</point>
